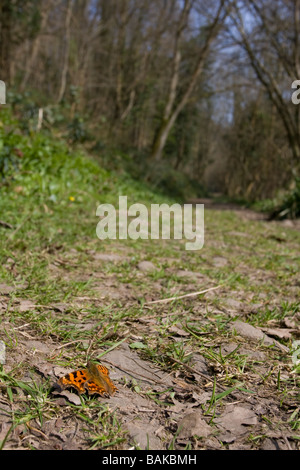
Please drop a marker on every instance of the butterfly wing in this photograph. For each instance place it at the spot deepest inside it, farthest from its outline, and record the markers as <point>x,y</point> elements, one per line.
<point>75,379</point>
<point>93,387</point>
<point>110,387</point>
<point>99,380</point>
<point>95,379</point>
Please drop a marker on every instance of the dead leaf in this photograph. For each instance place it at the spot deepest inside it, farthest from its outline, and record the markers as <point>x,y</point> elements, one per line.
<point>191,425</point>
<point>26,305</point>
<point>127,362</point>
<point>235,420</point>
<point>289,322</point>
<point>189,274</point>
<point>178,331</point>
<point>45,369</point>
<point>109,257</point>
<point>199,364</point>
<point>37,346</point>
<point>59,307</point>
<point>219,261</point>
<point>281,333</point>
<point>235,304</point>
<point>59,371</point>
<point>255,334</point>
<point>3,306</point>
<point>70,396</point>
<point>6,289</point>
<point>144,434</point>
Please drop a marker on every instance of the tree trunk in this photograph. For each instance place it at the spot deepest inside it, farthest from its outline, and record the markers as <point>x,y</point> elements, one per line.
<point>5,39</point>
<point>63,82</point>
<point>290,119</point>
<point>172,110</point>
<point>34,50</point>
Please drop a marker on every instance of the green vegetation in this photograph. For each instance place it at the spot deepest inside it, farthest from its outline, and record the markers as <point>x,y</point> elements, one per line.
<point>145,99</point>
<point>76,305</point>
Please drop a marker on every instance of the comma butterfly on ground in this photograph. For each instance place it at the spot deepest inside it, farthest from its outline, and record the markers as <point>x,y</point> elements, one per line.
<point>94,379</point>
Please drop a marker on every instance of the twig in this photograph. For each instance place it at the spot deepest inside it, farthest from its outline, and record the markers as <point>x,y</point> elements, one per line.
<point>22,326</point>
<point>5,224</point>
<point>190,369</point>
<point>18,228</point>
<point>287,442</point>
<point>191,294</point>
<point>68,344</point>
<point>194,371</point>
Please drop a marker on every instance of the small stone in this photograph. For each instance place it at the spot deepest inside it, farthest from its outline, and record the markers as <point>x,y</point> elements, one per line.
<point>146,266</point>
<point>219,261</point>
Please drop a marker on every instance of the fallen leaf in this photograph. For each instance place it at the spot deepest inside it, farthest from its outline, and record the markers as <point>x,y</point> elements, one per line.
<point>199,364</point>
<point>219,261</point>
<point>59,371</point>
<point>255,334</point>
<point>235,420</point>
<point>191,425</point>
<point>189,274</point>
<point>178,331</point>
<point>282,333</point>
<point>108,257</point>
<point>26,305</point>
<point>289,322</point>
<point>44,368</point>
<point>5,289</point>
<point>37,346</point>
<point>70,396</point>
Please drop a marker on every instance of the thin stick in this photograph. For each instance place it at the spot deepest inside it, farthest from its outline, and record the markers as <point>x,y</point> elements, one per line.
<point>68,344</point>
<point>194,371</point>
<point>18,228</point>
<point>40,119</point>
<point>191,294</point>
<point>5,224</point>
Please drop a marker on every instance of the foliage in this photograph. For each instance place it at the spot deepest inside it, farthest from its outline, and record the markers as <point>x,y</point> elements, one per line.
<point>285,205</point>
<point>232,129</point>
<point>77,131</point>
<point>51,259</point>
<point>42,175</point>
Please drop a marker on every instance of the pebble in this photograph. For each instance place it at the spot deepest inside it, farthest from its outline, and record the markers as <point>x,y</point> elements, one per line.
<point>146,266</point>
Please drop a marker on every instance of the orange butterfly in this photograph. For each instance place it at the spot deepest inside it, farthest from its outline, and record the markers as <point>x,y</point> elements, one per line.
<point>94,379</point>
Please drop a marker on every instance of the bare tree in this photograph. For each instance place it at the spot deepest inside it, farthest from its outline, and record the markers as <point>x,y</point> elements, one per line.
<point>5,38</point>
<point>65,64</point>
<point>268,32</point>
<point>35,43</point>
<point>174,103</point>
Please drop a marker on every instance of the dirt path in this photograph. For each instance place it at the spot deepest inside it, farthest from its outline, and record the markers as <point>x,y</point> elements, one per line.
<point>211,371</point>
